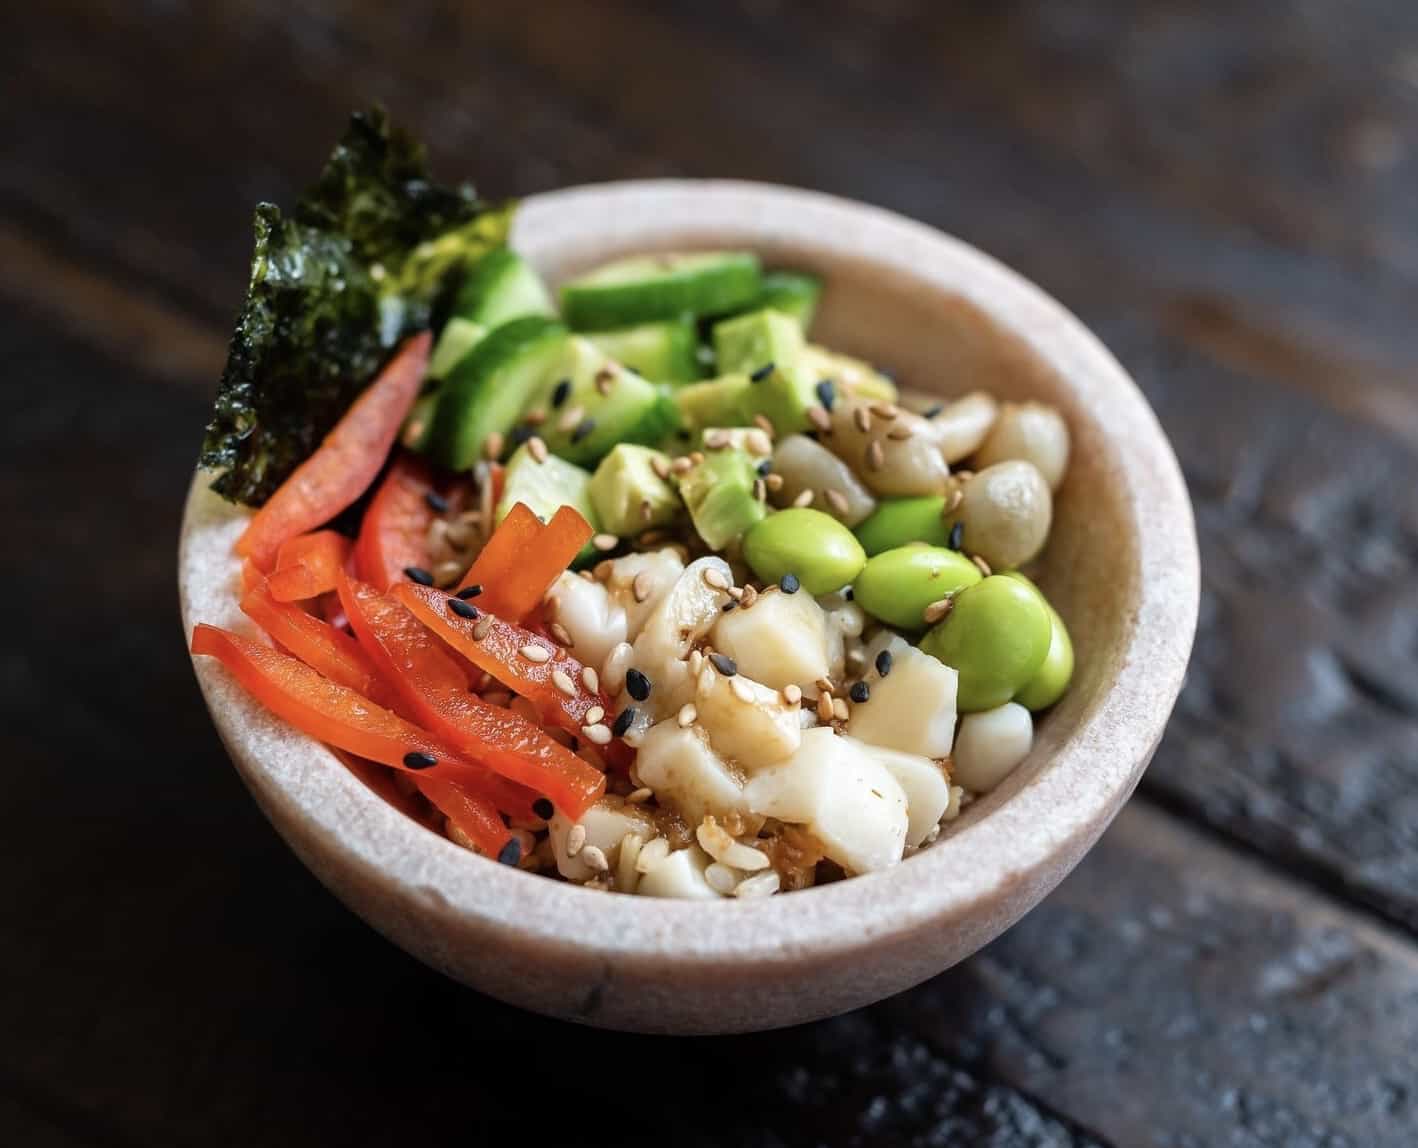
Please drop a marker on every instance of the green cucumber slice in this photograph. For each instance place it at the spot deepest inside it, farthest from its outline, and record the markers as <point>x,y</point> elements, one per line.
<point>665,351</point>
<point>499,287</point>
<point>794,293</point>
<point>588,402</point>
<point>458,337</point>
<point>644,287</point>
<point>487,390</point>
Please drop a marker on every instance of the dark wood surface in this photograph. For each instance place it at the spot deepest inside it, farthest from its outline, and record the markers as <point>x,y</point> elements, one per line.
<point>1226,192</point>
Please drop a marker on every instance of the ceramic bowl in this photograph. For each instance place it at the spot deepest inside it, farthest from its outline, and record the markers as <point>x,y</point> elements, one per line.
<point>1121,566</point>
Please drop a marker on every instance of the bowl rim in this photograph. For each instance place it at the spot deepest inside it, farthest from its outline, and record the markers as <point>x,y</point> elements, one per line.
<point>1061,809</point>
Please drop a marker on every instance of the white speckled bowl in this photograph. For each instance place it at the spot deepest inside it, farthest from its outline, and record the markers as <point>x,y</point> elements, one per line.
<point>1121,567</point>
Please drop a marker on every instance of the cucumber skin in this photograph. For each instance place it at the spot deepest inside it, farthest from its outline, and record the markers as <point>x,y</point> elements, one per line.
<point>795,293</point>
<point>731,286</point>
<point>674,360</point>
<point>455,436</point>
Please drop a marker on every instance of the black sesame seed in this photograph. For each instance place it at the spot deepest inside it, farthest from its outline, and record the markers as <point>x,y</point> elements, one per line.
<point>789,584</point>
<point>957,536</point>
<point>511,853</point>
<point>724,664</point>
<point>859,692</point>
<point>583,428</point>
<point>543,808</point>
<point>521,434</point>
<point>684,434</point>
<point>762,373</point>
<point>826,393</point>
<point>931,412</point>
<point>561,392</point>
<point>417,759</point>
<point>765,468</point>
<point>470,591</point>
<point>729,605</point>
<point>848,594</point>
<point>463,609</point>
<point>637,685</point>
<point>622,721</point>
<point>883,663</point>
<point>436,502</point>
<point>418,574</point>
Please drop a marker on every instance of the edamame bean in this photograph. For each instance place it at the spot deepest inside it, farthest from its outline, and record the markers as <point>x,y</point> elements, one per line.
<point>1007,511</point>
<point>897,585</point>
<point>1032,432</point>
<point>823,553</point>
<point>1051,679</point>
<point>897,521</point>
<point>996,636</point>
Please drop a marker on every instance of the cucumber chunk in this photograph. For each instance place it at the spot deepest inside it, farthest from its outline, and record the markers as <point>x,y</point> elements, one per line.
<point>645,287</point>
<point>458,337</point>
<point>587,402</point>
<point>627,493</point>
<point>546,487</point>
<point>500,287</point>
<point>487,390</point>
<point>664,351</point>
<point>794,293</point>
<point>719,402</point>
<point>719,493</point>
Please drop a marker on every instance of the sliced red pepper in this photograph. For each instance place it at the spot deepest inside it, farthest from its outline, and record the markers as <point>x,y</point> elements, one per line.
<point>470,814</point>
<point>435,690</point>
<point>307,565</point>
<point>523,557</point>
<point>496,646</point>
<point>344,465</point>
<point>328,651</point>
<point>337,714</point>
<point>393,535</point>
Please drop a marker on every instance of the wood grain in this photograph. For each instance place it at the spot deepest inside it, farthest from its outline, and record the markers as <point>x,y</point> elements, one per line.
<point>1223,191</point>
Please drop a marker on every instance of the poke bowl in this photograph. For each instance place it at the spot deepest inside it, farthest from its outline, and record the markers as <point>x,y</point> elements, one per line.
<point>714,951</point>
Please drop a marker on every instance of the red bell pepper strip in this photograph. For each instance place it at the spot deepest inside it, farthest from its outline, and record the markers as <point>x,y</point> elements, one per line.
<point>393,535</point>
<point>307,565</point>
<point>496,646</point>
<point>470,814</point>
<point>523,557</point>
<point>330,652</point>
<point>436,693</point>
<point>336,714</point>
<point>344,465</point>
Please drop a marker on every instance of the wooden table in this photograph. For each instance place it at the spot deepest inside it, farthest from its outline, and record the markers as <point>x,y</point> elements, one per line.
<point>1224,191</point>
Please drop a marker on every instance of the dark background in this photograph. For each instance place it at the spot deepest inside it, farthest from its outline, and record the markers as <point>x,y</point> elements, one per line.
<point>1227,193</point>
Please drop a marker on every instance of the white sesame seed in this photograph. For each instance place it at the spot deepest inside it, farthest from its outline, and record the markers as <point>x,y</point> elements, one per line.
<point>605,541</point>
<point>744,857</point>
<point>824,684</point>
<point>687,714</point>
<point>492,446</point>
<point>594,715</point>
<point>982,565</point>
<point>482,629</point>
<point>876,456</point>
<point>861,417</point>
<point>765,424</point>
<point>803,499</point>
<point>537,654</point>
<point>820,419</point>
<point>562,681</point>
<point>681,464</point>
<point>598,734</point>
<point>840,710</point>
<point>900,434</point>
<point>937,610</point>
<point>589,679</point>
<point>652,853</point>
<point>714,579</point>
<point>792,694</point>
<point>640,588</point>
<point>660,466</point>
<point>567,420</point>
<point>836,499</point>
<point>640,796</point>
<point>559,634</point>
<point>537,448</point>
<point>885,410</point>
<point>716,439</point>
<point>575,840</point>
<point>774,482</point>
<point>594,858</point>
<point>824,707</point>
<point>742,690</point>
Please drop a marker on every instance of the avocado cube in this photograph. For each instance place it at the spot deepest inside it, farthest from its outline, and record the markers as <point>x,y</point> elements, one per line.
<point>721,498</point>
<point>627,493</point>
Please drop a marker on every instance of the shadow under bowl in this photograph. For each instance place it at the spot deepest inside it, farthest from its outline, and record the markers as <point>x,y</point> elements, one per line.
<point>1121,567</point>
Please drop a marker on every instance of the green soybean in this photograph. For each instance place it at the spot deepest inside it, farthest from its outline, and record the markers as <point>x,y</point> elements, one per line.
<point>897,521</point>
<point>1051,679</point>
<point>897,585</point>
<point>996,636</point>
<point>819,550</point>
